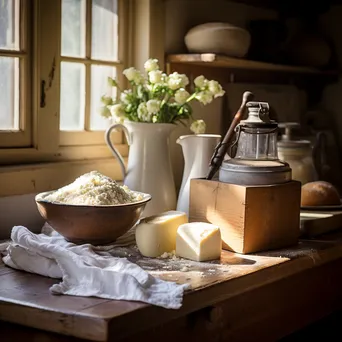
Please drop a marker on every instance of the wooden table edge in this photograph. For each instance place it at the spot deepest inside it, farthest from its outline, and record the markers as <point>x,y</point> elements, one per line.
<point>150,316</point>
<point>99,328</point>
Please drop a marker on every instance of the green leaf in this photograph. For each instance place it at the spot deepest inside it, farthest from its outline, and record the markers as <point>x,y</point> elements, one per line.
<point>106,100</point>
<point>112,82</point>
<point>105,112</point>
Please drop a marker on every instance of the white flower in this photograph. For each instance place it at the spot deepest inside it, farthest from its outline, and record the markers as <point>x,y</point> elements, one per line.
<point>153,106</point>
<point>204,97</point>
<point>139,78</point>
<point>164,78</point>
<point>200,81</point>
<point>119,120</point>
<point>215,88</point>
<point>176,81</point>
<point>151,65</point>
<point>130,73</point>
<point>125,95</point>
<point>185,80</point>
<point>181,96</point>
<point>155,76</point>
<point>133,75</point>
<point>151,88</point>
<point>117,110</point>
<point>143,113</point>
<point>198,127</point>
<point>142,110</point>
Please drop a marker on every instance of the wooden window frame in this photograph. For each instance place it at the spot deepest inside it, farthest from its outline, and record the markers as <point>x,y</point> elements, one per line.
<point>72,138</point>
<point>23,136</point>
<point>48,143</point>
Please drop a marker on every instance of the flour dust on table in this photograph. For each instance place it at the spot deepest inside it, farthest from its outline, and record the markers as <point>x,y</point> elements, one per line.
<point>189,275</point>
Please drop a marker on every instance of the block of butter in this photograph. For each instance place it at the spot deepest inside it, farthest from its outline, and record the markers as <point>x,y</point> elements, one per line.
<point>199,241</point>
<point>156,234</point>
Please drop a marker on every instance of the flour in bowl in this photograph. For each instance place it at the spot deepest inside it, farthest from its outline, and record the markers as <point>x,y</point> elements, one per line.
<point>94,188</point>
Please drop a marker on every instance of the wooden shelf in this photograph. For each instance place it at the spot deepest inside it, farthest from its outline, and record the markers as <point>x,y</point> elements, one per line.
<point>292,7</point>
<point>219,61</point>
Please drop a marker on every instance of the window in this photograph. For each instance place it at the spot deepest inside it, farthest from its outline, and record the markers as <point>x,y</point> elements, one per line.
<point>15,120</point>
<point>55,58</point>
<point>89,55</point>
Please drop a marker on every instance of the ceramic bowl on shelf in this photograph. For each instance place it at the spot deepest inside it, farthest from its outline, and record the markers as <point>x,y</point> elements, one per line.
<point>96,225</point>
<point>219,38</point>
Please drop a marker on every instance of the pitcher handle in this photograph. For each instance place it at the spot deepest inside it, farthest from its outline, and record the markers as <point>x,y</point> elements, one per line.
<point>115,152</point>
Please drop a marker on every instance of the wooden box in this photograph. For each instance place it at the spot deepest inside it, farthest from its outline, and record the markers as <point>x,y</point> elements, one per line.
<point>251,218</point>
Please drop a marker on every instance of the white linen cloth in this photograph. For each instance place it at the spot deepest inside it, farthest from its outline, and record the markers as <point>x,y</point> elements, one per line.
<point>86,273</point>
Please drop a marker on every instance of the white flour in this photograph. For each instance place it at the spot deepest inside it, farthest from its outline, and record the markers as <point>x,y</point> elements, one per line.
<point>93,188</point>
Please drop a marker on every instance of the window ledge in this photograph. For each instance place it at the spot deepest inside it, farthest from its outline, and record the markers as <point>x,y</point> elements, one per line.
<point>68,153</point>
<point>34,178</point>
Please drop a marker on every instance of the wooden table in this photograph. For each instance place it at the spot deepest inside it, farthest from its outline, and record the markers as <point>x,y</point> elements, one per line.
<point>260,298</point>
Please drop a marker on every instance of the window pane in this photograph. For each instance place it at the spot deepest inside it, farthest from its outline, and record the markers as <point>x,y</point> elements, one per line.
<point>72,96</point>
<point>9,24</point>
<point>9,93</point>
<point>73,28</point>
<point>104,30</point>
<point>99,87</point>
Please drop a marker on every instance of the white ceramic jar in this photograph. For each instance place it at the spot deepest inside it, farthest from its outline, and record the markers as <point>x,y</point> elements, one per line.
<point>298,154</point>
<point>197,152</point>
<point>300,161</point>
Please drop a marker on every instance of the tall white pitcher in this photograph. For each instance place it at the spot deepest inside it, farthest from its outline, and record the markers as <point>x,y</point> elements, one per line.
<point>149,167</point>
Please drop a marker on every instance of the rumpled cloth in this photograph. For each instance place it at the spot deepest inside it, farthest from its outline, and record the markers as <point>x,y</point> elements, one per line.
<point>86,273</point>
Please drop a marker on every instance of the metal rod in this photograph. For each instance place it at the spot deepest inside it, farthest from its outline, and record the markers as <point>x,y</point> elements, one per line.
<point>257,146</point>
<point>267,145</point>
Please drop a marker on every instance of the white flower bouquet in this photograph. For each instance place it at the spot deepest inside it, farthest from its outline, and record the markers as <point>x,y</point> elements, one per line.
<point>156,97</point>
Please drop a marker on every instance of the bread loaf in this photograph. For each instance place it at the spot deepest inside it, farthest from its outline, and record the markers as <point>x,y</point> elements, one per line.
<point>319,193</point>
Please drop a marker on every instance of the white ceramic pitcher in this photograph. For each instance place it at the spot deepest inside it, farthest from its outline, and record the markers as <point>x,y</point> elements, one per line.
<point>149,167</point>
<point>197,152</point>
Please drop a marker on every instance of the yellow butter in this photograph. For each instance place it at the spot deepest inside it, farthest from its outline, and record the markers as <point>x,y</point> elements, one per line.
<point>198,241</point>
<point>156,234</point>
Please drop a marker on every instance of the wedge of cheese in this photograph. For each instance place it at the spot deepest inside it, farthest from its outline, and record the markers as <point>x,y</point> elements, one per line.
<point>156,235</point>
<point>198,241</point>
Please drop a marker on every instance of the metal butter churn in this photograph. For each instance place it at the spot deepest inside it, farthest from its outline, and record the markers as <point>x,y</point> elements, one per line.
<point>255,202</point>
<point>256,160</point>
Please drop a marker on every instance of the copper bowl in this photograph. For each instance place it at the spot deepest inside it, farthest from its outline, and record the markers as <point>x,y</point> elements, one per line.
<point>96,225</point>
